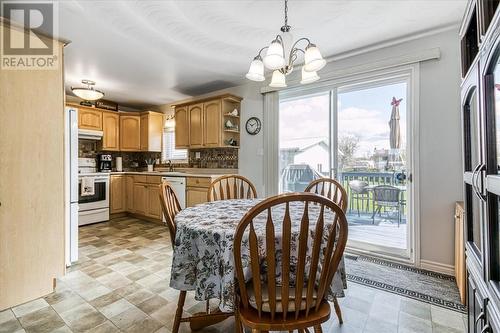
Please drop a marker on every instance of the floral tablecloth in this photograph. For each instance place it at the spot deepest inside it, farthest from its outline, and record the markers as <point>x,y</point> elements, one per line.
<point>203,251</point>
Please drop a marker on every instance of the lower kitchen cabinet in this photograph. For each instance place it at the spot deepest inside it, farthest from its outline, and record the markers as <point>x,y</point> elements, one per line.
<point>195,195</point>
<point>153,202</point>
<point>118,202</point>
<point>196,190</point>
<point>129,190</point>
<point>140,195</point>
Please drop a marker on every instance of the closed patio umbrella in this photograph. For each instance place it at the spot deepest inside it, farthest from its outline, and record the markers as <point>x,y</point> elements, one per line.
<point>395,132</point>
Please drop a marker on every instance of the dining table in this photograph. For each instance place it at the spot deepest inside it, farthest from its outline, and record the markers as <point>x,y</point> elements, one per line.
<point>203,259</point>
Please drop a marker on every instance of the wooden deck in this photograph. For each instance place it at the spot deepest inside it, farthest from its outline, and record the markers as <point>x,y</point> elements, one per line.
<point>384,232</point>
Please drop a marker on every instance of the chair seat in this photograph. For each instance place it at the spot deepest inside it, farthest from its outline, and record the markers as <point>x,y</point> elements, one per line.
<point>266,307</point>
<point>250,318</point>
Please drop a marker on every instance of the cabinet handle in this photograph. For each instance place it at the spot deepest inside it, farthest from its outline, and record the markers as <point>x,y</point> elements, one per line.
<point>486,328</point>
<point>481,316</point>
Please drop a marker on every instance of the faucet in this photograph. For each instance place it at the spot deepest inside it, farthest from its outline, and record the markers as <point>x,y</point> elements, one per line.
<point>170,166</point>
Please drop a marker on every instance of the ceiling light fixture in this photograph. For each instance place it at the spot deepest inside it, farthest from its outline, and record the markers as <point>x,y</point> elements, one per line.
<point>281,62</point>
<point>88,93</point>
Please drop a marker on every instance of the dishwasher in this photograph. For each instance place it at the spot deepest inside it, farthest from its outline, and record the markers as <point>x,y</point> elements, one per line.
<point>179,186</point>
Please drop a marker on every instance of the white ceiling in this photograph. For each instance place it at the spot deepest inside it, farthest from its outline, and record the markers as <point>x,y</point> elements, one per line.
<point>154,52</point>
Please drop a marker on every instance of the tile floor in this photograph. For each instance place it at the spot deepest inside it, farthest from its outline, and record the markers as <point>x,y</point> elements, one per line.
<point>121,284</point>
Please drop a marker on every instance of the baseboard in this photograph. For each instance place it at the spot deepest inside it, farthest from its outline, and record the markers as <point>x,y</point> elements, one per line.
<point>437,267</point>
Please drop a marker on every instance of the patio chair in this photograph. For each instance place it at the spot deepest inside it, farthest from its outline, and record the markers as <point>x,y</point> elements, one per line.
<point>386,196</point>
<point>359,193</point>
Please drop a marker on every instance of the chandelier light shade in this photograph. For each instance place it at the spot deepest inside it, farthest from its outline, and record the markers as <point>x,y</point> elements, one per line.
<point>308,77</point>
<point>313,59</point>
<point>278,80</point>
<point>87,93</point>
<point>256,71</point>
<point>275,56</point>
<point>281,56</point>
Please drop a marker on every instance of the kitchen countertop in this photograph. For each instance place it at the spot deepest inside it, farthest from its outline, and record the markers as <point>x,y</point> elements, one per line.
<point>208,173</point>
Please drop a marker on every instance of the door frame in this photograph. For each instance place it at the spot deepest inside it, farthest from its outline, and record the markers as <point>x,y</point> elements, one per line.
<point>410,74</point>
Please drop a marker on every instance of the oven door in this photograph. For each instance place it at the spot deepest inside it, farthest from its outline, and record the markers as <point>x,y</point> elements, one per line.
<point>100,198</point>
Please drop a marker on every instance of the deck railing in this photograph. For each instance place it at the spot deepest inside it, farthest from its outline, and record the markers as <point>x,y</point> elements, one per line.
<point>372,178</point>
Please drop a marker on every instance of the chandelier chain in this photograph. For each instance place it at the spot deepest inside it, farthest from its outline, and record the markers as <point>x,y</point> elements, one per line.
<point>286,13</point>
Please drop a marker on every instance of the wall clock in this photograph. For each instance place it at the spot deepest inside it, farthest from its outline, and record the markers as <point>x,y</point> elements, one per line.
<point>253,125</point>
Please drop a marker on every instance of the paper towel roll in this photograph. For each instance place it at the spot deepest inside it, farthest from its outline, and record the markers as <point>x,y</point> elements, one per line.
<point>119,165</point>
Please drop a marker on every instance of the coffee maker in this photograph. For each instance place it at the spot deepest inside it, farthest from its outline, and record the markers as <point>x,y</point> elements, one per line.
<point>104,162</point>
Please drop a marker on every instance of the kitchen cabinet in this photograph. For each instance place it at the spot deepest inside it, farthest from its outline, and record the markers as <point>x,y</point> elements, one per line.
<point>151,131</point>
<point>202,123</point>
<point>111,131</point>
<point>196,126</point>
<point>118,202</point>
<point>181,127</point>
<point>212,119</point>
<point>196,190</point>
<point>153,208</point>
<point>130,132</point>
<point>140,195</point>
<point>89,118</point>
<point>129,189</point>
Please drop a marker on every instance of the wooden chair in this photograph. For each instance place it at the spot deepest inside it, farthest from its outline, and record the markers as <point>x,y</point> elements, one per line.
<point>334,191</point>
<point>261,304</point>
<point>231,187</point>
<point>331,189</point>
<point>171,207</point>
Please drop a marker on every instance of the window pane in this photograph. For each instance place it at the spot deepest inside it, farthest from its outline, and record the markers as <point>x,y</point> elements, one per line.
<point>304,145</point>
<point>168,150</point>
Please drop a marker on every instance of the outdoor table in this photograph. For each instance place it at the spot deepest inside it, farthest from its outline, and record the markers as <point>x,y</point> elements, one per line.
<point>203,258</point>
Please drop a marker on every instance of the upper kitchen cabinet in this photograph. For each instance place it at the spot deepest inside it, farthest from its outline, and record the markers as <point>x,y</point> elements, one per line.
<point>196,125</point>
<point>151,131</point>
<point>208,123</point>
<point>212,119</point>
<point>89,118</point>
<point>130,132</point>
<point>111,131</point>
<point>181,127</point>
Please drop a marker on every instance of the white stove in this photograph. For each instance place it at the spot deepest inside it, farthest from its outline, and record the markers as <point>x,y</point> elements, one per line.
<point>92,207</point>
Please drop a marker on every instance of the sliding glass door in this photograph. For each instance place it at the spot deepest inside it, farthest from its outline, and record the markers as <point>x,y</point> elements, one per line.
<point>355,132</point>
<point>304,141</point>
<point>371,163</point>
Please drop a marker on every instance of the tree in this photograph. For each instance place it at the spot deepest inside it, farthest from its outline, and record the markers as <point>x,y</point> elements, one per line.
<point>348,144</point>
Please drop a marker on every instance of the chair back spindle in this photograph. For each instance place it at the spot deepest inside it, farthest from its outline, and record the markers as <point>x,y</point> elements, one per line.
<point>331,189</point>
<point>231,187</point>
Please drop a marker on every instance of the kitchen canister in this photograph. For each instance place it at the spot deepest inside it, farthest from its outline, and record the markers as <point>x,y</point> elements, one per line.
<point>119,164</point>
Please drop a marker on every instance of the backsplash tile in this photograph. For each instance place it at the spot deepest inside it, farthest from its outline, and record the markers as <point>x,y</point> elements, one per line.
<point>88,149</point>
<point>216,158</point>
<point>212,158</point>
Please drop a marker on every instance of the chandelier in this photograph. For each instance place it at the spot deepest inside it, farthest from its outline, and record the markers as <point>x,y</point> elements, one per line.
<point>281,56</point>
<point>88,93</point>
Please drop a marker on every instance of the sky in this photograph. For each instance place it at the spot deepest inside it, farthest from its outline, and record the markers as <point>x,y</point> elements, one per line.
<point>363,113</point>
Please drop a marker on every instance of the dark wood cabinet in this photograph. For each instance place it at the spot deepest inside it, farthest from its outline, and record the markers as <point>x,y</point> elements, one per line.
<point>480,42</point>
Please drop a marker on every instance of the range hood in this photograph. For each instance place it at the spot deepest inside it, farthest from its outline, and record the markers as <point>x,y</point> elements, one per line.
<point>89,134</point>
